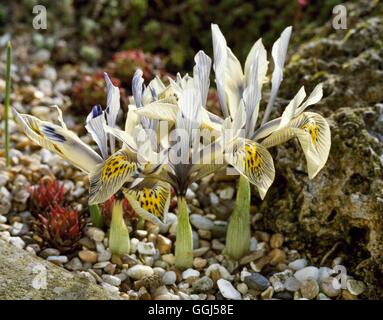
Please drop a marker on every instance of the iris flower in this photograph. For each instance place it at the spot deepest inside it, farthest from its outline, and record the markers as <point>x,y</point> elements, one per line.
<point>239,92</point>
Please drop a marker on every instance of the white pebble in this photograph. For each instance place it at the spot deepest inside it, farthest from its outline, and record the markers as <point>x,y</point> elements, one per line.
<point>146,248</point>
<point>139,271</point>
<point>201,222</point>
<point>58,259</point>
<point>17,242</point>
<point>190,273</point>
<point>169,278</point>
<point>298,264</point>
<point>227,290</point>
<point>112,280</point>
<point>307,273</point>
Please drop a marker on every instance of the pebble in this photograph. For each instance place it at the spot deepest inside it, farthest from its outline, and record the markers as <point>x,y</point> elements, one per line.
<point>276,256</point>
<point>268,293</point>
<point>348,296</point>
<point>253,244</point>
<point>328,287</point>
<point>298,264</point>
<point>201,222</point>
<point>309,289</point>
<point>49,252</point>
<point>139,271</point>
<point>355,287</point>
<point>3,219</point>
<point>189,194</point>
<point>146,248</point>
<point>133,245</point>
<point>169,278</point>
<point>200,251</point>
<point>255,255</point>
<point>227,290</point>
<point>58,259</point>
<point>164,244</point>
<point>214,200</point>
<point>242,288</point>
<point>257,281</point>
<point>95,234</point>
<point>190,273</point>
<point>17,242</point>
<point>159,271</point>
<point>215,271</point>
<point>276,240</point>
<point>258,265</point>
<point>227,193</point>
<point>168,296</point>
<point>109,287</point>
<point>306,273</point>
<point>279,279</point>
<point>217,245</point>
<point>292,284</point>
<point>324,272</point>
<point>88,256</point>
<point>199,263</point>
<point>284,295</point>
<point>74,264</point>
<point>203,285</point>
<point>100,265</point>
<point>18,229</point>
<point>112,280</point>
<point>104,255</point>
<point>169,258</point>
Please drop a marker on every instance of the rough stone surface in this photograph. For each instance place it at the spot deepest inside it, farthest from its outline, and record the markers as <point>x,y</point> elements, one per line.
<point>344,202</point>
<point>24,272</point>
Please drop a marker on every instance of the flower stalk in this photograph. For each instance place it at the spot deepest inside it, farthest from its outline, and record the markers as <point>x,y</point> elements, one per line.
<point>184,243</point>
<point>238,231</point>
<point>96,216</point>
<point>7,102</point>
<point>119,240</point>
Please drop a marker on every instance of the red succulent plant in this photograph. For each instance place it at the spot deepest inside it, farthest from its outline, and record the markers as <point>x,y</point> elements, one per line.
<point>61,227</point>
<point>45,194</point>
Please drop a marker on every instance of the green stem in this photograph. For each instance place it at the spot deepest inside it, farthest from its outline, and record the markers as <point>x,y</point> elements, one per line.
<point>238,230</point>
<point>96,216</point>
<point>119,240</point>
<point>184,242</point>
<point>7,102</point>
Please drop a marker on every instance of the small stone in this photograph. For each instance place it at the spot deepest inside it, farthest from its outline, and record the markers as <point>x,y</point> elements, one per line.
<point>116,260</point>
<point>112,280</point>
<point>204,234</point>
<point>133,245</point>
<point>309,288</point>
<point>203,285</point>
<point>201,222</point>
<point>169,258</point>
<point>49,252</point>
<point>214,200</point>
<point>331,287</point>
<point>268,293</point>
<point>258,265</point>
<point>168,296</point>
<point>17,242</point>
<point>322,296</point>
<point>189,194</point>
<point>3,219</point>
<point>169,278</point>
<point>227,290</point>
<point>87,243</point>
<point>139,271</point>
<point>306,273</point>
<point>88,256</point>
<point>257,281</point>
<point>109,287</point>
<point>18,229</point>
<point>276,240</point>
<point>227,193</point>
<point>200,251</point>
<point>355,287</point>
<point>100,265</point>
<point>199,263</point>
<point>279,279</point>
<point>58,259</point>
<point>253,244</point>
<point>348,296</point>
<point>324,272</point>
<point>74,264</point>
<point>242,288</point>
<point>292,284</point>
<point>95,234</point>
<point>283,295</point>
<point>298,264</point>
<point>190,273</point>
<point>255,255</point>
<point>104,255</point>
<point>215,271</point>
<point>146,248</point>
<point>110,268</point>
<point>262,236</point>
<point>217,245</point>
<point>164,244</point>
<point>276,256</point>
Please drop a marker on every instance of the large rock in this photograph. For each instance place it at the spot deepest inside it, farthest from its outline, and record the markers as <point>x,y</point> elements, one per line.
<point>342,207</point>
<point>24,276</point>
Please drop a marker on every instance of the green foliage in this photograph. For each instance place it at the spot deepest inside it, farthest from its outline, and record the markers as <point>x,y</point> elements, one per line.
<point>96,216</point>
<point>184,243</point>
